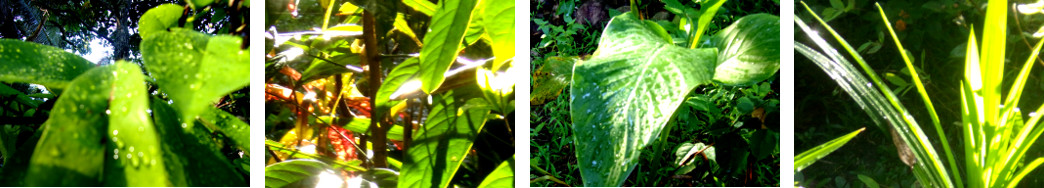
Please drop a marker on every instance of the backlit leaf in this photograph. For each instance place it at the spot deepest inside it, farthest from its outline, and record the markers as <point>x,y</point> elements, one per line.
<point>498,20</point>
<point>447,29</point>
<point>28,62</point>
<point>441,145</point>
<point>159,19</point>
<point>292,172</point>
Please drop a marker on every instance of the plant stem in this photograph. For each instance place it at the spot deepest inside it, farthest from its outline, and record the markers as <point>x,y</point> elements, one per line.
<point>373,60</point>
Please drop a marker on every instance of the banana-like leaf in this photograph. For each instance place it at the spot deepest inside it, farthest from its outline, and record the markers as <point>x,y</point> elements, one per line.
<point>293,172</point>
<point>159,19</point>
<point>812,155</point>
<point>40,64</point>
<point>503,176</point>
<point>195,70</point>
<point>84,127</point>
<point>447,29</point>
<point>441,145</point>
<point>623,96</point>
<point>749,50</point>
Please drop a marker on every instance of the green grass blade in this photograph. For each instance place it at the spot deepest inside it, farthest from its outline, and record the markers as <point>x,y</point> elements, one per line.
<point>994,37</point>
<point>1020,82</point>
<point>924,96</point>
<point>1026,170</point>
<point>705,17</point>
<point>812,155</point>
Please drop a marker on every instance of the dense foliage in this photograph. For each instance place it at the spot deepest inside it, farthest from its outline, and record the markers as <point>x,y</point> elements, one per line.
<point>113,125</point>
<point>396,93</point>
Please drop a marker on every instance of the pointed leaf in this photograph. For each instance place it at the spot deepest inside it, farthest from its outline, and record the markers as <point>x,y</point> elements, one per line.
<point>750,50</point>
<point>133,157</point>
<point>447,29</point>
<point>622,97</point>
<point>503,176</point>
<point>812,155</point>
<point>159,19</point>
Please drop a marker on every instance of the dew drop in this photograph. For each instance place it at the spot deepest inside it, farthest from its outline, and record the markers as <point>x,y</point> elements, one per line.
<point>115,132</point>
<point>132,149</point>
<point>107,112</point>
<point>1033,114</point>
<point>140,154</point>
<point>116,151</point>
<point>116,156</point>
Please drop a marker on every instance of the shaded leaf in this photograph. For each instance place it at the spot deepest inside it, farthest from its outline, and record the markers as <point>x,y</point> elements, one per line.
<point>812,155</point>
<point>441,145</point>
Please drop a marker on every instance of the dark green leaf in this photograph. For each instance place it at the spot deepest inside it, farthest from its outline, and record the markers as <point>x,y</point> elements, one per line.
<point>447,29</point>
<point>621,99</point>
<point>40,64</point>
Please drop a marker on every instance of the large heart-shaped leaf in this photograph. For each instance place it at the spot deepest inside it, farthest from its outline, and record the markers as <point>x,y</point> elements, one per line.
<point>622,97</point>
<point>75,147</point>
<point>194,69</point>
<point>440,147</point>
<point>40,64</point>
<point>447,29</point>
<point>749,50</point>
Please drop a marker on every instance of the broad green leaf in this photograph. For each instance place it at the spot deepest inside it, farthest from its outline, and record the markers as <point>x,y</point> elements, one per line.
<point>812,155</point>
<point>74,148</point>
<point>551,78</point>
<point>623,96</point>
<point>159,19</point>
<point>193,157</point>
<point>351,166</point>
<point>40,64</point>
<point>503,176</point>
<point>749,50</point>
<point>195,70</point>
<point>447,29</point>
<point>228,124</point>
<point>423,6</point>
<point>134,156</point>
<point>291,173</point>
<point>361,125</point>
<point>395,79</point>
<point>322,68</point>
<point>442,143</point>
<point>498,20</point>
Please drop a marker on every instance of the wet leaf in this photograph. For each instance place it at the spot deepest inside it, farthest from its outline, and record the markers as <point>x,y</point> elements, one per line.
<point>440,147</point>
<point>133,156</point>
<point>447,29</point>
<point>28,62</point>
<point>749,50</point>
<point>230,125</point>
<point>193,158</point>
<point>159,19</point>
<point>623,96</point>
<point>195,70</point>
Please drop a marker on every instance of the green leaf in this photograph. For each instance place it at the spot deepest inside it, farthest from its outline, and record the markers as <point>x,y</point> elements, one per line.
<point>422,6</point>
<point>812,155</point>
<point>362,125</point>
<point>750,50</point>
<point>18,96</point>
<point>193,158</point>
<point>198,4</point>
<point>195,70</point>
<point>323,69</point>
<point>159,19</point>
<point>623,96</point>
<point>230,125</point>
<point>686,156</point>
<point>398,76</point>
<point>870,183</point>
<point>136,157</point>
<point>292,173</point>
<point>40,64</point>
<point>503,176</point>
<point>551,78</point>
<point>498,20</point>
<point>447,29</point>
<point>705,18</point>
<point>441,145</point>
<point>75,147</point>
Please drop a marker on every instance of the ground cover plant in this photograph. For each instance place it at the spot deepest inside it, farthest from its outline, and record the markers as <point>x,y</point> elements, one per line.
<point>168,118</point>
<point>611,114</point>
<point>409,93</point>
<point>994,143</point>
